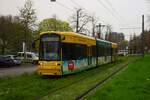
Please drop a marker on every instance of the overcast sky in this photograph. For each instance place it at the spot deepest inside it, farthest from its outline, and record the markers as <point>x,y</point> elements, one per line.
<point>118,13</point>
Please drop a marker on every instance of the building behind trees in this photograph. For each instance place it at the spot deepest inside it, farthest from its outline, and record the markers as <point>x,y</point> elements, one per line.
<point>136,43</point>
<point>118,38</point>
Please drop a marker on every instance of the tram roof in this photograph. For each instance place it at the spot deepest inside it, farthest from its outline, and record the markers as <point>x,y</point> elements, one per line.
<point>72,37</point>
<point>114,45</point>
<point>85,37</point>
<point>68,33</point>
<point>103,42</point>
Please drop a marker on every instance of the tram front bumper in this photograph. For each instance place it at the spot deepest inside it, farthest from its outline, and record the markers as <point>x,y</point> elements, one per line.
<point>49,72</point>
<point>49,68</point>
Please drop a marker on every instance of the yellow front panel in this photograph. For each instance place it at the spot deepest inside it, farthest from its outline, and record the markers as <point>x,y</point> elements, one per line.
<point>50,68</point>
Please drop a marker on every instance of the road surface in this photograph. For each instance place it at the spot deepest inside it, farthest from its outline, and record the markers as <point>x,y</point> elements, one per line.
<point>17,70</point>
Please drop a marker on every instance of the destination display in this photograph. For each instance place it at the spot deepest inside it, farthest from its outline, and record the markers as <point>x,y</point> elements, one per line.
<point>50,38</point>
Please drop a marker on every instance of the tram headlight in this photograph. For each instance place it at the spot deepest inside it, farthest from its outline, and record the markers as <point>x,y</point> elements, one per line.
<point>40,63</point>
<point>58,64</point>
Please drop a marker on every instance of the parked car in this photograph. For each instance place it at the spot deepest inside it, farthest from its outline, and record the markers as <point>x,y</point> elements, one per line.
<point>30,57</point>
<point>9,60</point>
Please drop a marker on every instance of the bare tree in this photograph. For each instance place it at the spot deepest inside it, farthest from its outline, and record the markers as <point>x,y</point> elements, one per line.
<point>79,20</point>
<point>94,22</point>
<point>108,31</point>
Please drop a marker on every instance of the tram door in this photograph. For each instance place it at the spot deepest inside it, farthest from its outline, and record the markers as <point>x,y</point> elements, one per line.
<point>89,51</point>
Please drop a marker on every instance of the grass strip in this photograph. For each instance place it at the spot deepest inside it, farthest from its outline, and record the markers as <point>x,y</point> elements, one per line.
<point>73,91</point>
<point>131,84</point>
<point>33,86</point>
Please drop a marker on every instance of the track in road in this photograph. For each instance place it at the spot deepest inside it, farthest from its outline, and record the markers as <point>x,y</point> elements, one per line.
<point>80,97</point>
<point>50,93</point>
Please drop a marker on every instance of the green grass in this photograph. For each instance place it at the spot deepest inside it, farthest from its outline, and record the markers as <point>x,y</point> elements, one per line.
<point>33,86</point>
<point>73,91</point>
<point>131,84</point>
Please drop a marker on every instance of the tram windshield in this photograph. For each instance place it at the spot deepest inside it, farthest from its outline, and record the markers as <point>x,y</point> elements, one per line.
<point>49,49</point>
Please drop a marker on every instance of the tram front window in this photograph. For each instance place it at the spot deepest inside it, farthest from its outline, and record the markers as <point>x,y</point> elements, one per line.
<point>49,49</point>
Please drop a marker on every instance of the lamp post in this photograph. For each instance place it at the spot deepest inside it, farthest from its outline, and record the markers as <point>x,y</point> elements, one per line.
<point>142,36</point>
<point>77,25</point>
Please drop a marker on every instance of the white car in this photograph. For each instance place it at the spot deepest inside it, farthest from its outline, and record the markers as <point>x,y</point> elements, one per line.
<point>29,57</point>
<point>122,52</point>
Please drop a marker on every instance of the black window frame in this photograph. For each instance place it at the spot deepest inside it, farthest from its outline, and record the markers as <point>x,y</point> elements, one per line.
<point>41,46</point>
<point>73,51</point>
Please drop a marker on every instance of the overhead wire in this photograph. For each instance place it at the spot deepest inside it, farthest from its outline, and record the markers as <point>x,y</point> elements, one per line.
<point>101,3</point>
<point>75,3</point>
<point>115,11</point>
<point>64,6</point>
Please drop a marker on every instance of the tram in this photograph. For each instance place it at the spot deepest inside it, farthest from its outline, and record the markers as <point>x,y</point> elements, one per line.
<point>62,53</point>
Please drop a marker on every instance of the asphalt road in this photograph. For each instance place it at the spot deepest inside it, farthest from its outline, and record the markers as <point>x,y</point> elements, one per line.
<point>17,70</point>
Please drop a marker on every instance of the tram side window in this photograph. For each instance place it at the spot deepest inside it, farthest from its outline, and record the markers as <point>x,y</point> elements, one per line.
<point>80,51</point>
<point>108,51</point>
<point>104,51</point>
<point>94,54</point>
<point>101,51</point>
<point>73,51</point>
<point>114,51</point>
<point>66,54</point>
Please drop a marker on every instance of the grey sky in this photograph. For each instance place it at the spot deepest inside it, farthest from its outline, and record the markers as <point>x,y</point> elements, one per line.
<point>130,11</point>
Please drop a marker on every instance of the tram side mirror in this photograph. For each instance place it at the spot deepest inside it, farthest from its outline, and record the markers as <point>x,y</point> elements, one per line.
<point>63,38</point>
<point>34,43</point>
